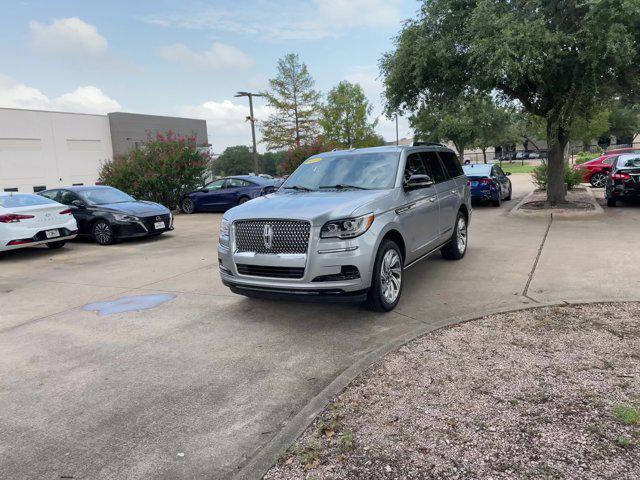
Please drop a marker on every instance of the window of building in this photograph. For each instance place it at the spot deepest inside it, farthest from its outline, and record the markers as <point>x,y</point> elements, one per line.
<point>78,184</point>
<point>11,189</point>
<point>39,188</point>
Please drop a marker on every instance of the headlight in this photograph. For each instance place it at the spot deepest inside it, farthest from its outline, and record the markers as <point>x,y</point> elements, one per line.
<point>347,227</point>
<point>224,228</point>
<point>121,217</point>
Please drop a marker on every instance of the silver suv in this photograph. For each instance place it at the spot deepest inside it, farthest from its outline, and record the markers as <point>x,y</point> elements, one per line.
<point>346,224</point>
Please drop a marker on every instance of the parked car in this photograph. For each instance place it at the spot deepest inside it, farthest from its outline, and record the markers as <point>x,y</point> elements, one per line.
<point>225,193</point>
<point>618,151</point>
<point>108,214</point>
<point>623,183</point>
<point>27,220</point>
<point>488,182</point>
<point>346,224</point>
<point>595,171</point>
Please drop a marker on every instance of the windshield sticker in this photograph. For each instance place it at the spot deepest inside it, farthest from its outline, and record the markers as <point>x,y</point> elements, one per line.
<point>313,160</point>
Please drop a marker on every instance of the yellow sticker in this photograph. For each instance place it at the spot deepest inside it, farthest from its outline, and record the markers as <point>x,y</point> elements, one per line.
<point>313,160</point>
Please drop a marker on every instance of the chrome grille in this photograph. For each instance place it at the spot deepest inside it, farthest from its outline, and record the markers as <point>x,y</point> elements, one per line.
<point>288,236</point>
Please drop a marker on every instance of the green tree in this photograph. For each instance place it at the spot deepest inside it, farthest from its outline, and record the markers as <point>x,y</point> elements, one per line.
<point>453,122</point>
<point>586,128</point>
<point>493,124</point>
<point>236,160</point>
<point>296,105</point>
<point>555,59</point>
<point>295,156</point>
<point>625,122</point>
<point>272,162</point>
<point>160,170</point>
<point>345,117</point>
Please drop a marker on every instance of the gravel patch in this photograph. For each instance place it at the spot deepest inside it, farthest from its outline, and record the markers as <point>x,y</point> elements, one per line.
<point>544,393</point>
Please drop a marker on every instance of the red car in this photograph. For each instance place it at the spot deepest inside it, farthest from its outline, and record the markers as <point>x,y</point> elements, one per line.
<point>618,151</point>
<point>595,171</point>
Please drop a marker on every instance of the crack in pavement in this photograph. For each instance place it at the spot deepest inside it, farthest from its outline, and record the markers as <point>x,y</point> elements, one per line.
<point>525,292</point>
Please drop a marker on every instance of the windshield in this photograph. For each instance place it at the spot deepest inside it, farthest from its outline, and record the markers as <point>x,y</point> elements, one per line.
<point>102,196</point>
<point>629,161</point>
<point>367,171</point>
<point>477,170</point>
<point>23,200</point>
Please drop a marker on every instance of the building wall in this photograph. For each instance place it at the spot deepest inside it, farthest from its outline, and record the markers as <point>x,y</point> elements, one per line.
<point>131,129</point>
<point>51,149</point>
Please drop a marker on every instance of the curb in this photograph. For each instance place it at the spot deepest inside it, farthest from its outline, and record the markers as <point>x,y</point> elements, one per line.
<point>266,456</point>
<point>597,211</point>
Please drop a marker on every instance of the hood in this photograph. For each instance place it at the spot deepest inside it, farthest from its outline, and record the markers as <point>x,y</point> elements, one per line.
<point>318,207</point>
<point>138,208</point>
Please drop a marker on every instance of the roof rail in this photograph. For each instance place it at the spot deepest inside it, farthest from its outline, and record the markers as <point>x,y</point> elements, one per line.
<point>432,144</point>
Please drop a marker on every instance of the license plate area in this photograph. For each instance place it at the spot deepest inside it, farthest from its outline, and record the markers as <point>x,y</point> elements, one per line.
<point>52,233</point>
<point>159,225</point>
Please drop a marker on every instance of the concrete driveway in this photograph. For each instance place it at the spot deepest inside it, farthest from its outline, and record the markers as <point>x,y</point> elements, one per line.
<point>196,386</point>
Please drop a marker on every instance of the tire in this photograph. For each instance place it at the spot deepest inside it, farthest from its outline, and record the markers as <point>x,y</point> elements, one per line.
<point>611,202</point>
<point>456,248</point>
<point>187,206</point>
<point>508,197</point>
<point>56,245</point>
<point>384,293</point>
<point>498,201</point>
<point>102,233</point>
<point>243,200</point>
<point>598,180</point>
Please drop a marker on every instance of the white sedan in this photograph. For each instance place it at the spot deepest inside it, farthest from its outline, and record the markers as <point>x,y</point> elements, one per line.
<point>27,220</point>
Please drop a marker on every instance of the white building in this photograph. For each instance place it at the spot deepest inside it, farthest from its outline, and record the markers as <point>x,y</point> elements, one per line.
<point>40,150</point>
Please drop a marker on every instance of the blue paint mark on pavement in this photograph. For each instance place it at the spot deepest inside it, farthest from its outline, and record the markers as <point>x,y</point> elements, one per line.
<point>129,304</point>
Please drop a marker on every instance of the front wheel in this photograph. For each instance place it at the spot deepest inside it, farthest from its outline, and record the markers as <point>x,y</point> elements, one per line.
<point>187,206</point>
<point>386,281</point>
<point>55,245</point>
<point>598,180</point>
<point>103,233</point>
<point>457,245</point>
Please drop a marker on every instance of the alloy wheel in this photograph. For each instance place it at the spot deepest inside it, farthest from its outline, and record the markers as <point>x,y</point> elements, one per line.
<point>598,180</point>
<point>102,233</point>
<point>462,234</point>
<point>188,206</point>
<point>391,276</point>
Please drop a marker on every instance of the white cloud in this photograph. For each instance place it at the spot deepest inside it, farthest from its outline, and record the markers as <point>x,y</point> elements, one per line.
<point>86,99</point>
<point>226,121</point>
<point>219,56</point>
<point>67,36</point>
<point>313,20</point>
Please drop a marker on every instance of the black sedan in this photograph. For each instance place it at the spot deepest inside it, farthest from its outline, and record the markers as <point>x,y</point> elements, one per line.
<point>107,214</point>
<point>623,182</point>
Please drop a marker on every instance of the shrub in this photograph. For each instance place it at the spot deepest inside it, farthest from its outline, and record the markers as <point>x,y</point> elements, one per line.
<point>295,156</point>
<point>585,157</point>
<point>571,177</point>
<point>160,170</point>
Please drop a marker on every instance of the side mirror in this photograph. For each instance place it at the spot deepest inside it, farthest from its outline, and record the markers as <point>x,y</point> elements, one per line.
<point>507,174</point>
<point>416,182</point>
<point>204,190</point>
<point>78,204</point>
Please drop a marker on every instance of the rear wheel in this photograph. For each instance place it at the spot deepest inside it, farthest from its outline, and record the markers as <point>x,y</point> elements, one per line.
<point>56,245</point>
<point>508,197</point>
<point>598,180</point>
<point>497,202</point>
<point>457,246</point>
<point>243,200</point>
<point>103,233</point>
<point>187,206</point>
<point>386,281</point>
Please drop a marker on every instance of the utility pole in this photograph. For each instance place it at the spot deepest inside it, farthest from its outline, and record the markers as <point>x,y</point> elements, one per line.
<point>397,137</point>
<point>256,165</point>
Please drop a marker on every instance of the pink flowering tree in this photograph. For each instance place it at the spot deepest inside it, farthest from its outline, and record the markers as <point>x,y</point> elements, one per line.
<point>160,170</point>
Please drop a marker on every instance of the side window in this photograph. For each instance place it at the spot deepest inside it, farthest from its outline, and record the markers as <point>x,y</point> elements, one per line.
<point>414,166</point>
<point>609,161</point>
<point>51,194</point>
<point>66,197</point>
<point>451,164</point>
<point>235,183</point>
<point>217,185</point>
<point>499,171</point>
<point>434,166</point>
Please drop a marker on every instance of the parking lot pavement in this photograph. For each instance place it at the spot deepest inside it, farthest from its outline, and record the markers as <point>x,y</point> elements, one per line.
<point>197,385</point>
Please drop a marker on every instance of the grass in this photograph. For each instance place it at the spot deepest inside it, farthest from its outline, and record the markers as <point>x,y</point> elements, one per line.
<point>517,168</point>
<point>626,414</point>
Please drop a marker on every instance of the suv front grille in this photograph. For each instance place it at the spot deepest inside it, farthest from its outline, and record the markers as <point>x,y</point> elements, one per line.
<point>268,271</point>
<point>288,236</point>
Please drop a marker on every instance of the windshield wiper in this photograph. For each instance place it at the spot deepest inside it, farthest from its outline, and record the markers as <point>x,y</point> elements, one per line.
<point>298,187</point>
<point>341,186</point>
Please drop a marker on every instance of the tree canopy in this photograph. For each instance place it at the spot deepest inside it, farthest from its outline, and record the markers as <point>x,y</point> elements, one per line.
<point>345,117</point>
<point>236,160</point>
<point>555,59</point>
<point>296,104</point>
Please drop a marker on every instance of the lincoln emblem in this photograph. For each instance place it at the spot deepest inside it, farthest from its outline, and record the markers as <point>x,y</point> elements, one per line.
<point>267,236</point>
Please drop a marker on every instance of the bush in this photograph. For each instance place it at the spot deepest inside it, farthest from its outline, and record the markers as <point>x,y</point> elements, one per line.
<point>160,170</point>
<point>571,177</point>
<point>294,157</point>
<point>585,157</point>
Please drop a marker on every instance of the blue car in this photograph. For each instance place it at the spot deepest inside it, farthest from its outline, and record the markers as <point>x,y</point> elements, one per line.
<point>488,182</point>
<point>225,193</point>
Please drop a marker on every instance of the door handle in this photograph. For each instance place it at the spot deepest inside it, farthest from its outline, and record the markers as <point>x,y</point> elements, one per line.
<point>432,199</point>
<point>454,191</point>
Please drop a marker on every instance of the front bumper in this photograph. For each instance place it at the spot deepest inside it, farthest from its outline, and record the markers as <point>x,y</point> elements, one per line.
<point>144,227</point>
<point>331,269</point>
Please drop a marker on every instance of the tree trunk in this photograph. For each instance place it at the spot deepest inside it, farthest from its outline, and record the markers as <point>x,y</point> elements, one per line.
<point>484,154</point>
<point>460,149</point>
<point>557,139</point>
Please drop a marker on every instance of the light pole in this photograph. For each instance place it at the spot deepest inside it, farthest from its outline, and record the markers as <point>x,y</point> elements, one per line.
<point>397,137</point>
<point>256,167</point>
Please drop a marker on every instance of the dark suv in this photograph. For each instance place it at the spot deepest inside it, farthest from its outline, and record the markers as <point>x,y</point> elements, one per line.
<point>623,183</point>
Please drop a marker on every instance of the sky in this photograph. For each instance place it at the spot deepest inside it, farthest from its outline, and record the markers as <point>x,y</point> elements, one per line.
<point>189,58</point>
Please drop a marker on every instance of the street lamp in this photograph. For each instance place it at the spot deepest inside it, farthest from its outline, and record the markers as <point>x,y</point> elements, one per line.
<point>256,167</point>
